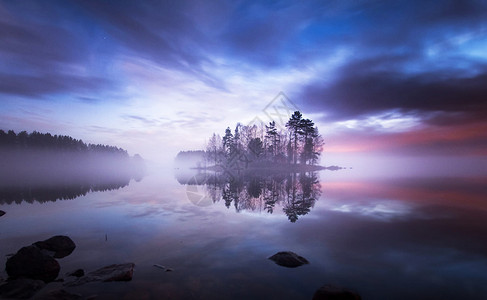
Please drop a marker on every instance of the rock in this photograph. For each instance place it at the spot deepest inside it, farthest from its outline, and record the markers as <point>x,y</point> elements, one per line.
<point>329,292</point>
<point>59,295</point>
<point>288,259</point>
<point>121,272</point>
<point>166,269</point>
<point>2,213</point>
<point>61,245</point>
<point>22,288</point>
<point>33,263</point>
<point>77,273</point>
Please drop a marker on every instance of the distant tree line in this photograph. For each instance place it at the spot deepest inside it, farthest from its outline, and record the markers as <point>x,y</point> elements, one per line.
<point>35,158</point>
<point>299,143</point>
<point>46,141</point>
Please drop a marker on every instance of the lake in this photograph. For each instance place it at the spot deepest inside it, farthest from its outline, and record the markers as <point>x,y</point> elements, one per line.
<point>404,237</point>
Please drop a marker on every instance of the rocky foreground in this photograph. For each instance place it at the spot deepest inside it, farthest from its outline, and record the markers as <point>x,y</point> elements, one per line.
<point>35,266</point>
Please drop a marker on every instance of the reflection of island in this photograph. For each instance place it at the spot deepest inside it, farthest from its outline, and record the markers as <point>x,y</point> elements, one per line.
<point>296,193</point>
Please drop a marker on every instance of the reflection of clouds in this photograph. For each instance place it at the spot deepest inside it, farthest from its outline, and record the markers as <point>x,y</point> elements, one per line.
<point>434,248</point>
<point>381,209</point>
<point>399,194</point>
<point>149,212</point>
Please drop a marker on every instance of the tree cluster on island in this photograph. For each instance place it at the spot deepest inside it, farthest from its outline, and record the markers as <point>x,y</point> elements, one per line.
<point>299,143</point>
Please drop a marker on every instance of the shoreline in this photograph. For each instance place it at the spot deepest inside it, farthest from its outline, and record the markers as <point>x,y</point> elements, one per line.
<point>272,168</point>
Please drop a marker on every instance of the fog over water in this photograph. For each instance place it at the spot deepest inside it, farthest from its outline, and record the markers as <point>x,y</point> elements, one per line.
<point>45,167</point>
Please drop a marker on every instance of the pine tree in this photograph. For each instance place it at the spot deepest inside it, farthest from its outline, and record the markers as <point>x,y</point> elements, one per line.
<point>294,125</point>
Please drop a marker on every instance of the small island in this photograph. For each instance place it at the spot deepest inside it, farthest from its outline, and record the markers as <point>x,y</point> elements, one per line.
<point>265,148</point>
<point>257,167</point>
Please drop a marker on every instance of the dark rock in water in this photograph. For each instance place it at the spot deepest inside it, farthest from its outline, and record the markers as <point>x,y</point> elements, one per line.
<point>121,272</point>
<point>77,273</point>
<point>288,259</point>
<point>22,288</point>
<point>33,263</point>
<point>61,245</point>
<point>59,295</point>
<point>329,292</point>
<point>166,269</point>
<point>2,213</point>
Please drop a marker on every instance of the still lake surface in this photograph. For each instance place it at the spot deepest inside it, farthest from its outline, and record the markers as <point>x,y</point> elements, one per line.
<point>410,237</point>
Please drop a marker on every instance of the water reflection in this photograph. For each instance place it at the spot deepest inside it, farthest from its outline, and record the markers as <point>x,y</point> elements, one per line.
<point>294,193</point>
<point>389,238</point>
<point>57,191</point>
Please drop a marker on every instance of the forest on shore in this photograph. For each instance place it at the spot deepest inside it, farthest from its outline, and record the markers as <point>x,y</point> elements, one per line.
<point>47,141</point>
<point>297,146</point>
<point>43,158</point>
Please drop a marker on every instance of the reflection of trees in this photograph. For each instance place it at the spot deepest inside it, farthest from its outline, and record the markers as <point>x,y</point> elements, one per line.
<point>301,195</point>
<point>296,193</point>
<point>65,191</point>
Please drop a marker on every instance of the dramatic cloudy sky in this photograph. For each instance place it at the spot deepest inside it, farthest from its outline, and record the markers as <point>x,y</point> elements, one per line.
<point>404,77</point>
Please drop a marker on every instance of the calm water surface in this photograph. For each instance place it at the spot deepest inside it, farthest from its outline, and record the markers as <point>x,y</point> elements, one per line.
<point>394,238</point>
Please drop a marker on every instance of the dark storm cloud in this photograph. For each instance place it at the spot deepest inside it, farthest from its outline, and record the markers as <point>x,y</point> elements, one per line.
<point>390,69</point>
<point>155,30</point>
<point>164,32</point>
<point>40,58</point>
<point>37,86</point>
<point>361,90</point>
<point>37,46</point>
<point>48,39</point>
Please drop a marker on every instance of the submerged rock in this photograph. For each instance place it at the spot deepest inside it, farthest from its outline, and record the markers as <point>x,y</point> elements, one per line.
<point>330,292</point>
<point>166,269</point>
<point>288,259</point>
<point>59,295</point>
<point>22,288</point>
<point>2,213</point>
<point>77,273</point>
<point>121,272</point>
<point>31,262</point>
<point>61,245</point>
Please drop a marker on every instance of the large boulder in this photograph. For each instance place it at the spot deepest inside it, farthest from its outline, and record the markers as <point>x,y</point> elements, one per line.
<point>288,259</point>
<point>2,213</point>
<point>60,245</point>
<point>330,292</point>
<point>31,262</point>
<point>21,288</point>
<point>121,272</point>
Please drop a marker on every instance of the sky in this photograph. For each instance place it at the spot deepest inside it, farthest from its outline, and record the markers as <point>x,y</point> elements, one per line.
<point>155,77</point>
